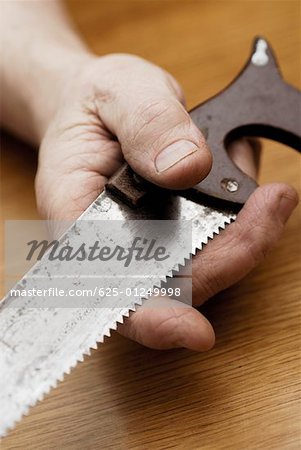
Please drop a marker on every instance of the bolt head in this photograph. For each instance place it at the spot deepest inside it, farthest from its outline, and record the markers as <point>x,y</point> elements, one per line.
<point>229,185</point>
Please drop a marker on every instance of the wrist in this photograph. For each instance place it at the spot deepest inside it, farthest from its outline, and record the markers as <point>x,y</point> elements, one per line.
<point>40,50</point>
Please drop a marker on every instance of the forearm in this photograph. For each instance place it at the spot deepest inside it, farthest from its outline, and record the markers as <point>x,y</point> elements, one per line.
<point>39,51</point>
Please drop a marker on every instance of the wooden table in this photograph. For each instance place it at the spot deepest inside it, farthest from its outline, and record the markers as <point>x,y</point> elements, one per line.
<point>244,393</point>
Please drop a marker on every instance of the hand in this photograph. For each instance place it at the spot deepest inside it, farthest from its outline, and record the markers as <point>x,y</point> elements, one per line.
<point>121,106</point>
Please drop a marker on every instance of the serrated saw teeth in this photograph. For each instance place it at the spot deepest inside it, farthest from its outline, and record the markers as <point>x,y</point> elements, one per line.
<point>99,324</point>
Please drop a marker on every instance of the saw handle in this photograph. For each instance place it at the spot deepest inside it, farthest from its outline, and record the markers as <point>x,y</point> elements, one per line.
<point>257,103</point>
<point>129,187</point>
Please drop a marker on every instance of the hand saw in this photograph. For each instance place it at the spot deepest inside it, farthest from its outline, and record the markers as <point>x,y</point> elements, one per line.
<point>257,103</point>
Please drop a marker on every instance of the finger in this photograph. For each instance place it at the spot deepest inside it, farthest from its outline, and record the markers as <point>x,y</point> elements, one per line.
<point>76,158</point>
<point>157,136</point>
<point>245,243</point>
<point>245,153</point>
<point>163,323</point>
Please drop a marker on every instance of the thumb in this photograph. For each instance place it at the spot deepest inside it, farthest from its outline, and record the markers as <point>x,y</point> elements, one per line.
<point>157,136</point>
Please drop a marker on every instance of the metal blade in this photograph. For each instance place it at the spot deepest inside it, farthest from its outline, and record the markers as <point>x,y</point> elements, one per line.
<point>206,220</point>
<point>39,345</point>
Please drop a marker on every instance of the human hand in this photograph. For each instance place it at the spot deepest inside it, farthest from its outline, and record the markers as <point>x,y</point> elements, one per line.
<point>120,106</point>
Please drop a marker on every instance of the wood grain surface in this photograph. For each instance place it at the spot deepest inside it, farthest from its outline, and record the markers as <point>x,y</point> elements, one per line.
<point>243,394</point>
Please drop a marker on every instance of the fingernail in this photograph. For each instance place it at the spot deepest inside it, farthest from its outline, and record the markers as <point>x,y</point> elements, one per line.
<point>286,206</point>
<point>174,153</point>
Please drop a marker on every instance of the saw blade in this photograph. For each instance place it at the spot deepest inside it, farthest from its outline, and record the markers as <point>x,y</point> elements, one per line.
<point>41,344</point>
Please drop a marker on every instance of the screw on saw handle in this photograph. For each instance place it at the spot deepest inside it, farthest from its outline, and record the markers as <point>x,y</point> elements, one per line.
<point>257,103</point>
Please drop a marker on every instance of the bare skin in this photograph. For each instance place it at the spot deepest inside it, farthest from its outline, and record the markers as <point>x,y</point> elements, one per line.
<point>87,114</point>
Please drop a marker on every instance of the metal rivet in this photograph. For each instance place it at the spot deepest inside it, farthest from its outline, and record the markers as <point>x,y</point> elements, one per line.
<point>229,185</point>
<point>260,57</point>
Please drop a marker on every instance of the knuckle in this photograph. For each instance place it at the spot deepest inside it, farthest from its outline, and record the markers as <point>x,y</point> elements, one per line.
<point>209,282</point>
<point>150,112</point>
<point>258,244</point>
<point>122,60</point>
<point>256,241</point>
<point>146,119</point>
<point>157,120</point>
